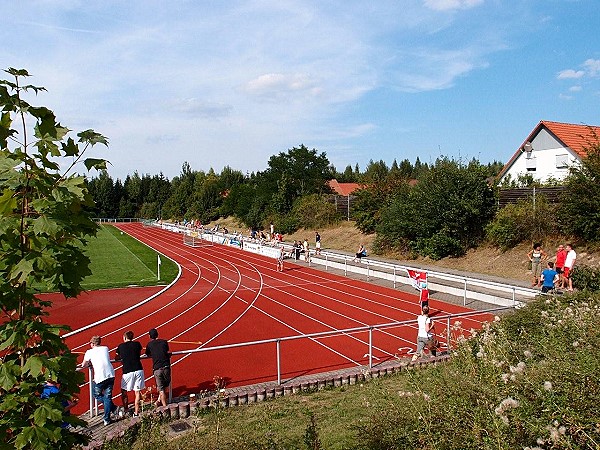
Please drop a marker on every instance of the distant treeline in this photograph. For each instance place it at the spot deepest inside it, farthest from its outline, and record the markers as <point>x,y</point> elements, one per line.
<point>438,209</point>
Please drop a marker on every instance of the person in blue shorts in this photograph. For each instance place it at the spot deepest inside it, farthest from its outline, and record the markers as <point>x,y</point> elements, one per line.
<point>549,278</point>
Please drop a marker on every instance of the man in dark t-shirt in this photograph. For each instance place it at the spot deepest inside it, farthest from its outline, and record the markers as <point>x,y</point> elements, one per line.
<point>158,350</point>
<point>129,353</point>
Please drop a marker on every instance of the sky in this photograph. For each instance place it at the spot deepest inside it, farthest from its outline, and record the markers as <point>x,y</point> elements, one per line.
<point>233,82</point>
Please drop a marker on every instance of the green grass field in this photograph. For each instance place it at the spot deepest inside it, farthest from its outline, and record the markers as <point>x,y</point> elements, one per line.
<point>118,260</point>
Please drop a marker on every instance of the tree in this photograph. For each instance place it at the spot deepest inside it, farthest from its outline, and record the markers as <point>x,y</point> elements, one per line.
<point>44,220</point>
<point>580,205</point>
<point>298,172</point>
<point>444,214</point>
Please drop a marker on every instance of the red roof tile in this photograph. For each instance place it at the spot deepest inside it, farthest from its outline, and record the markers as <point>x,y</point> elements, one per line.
<point>577,137</point>
<point>343,188</point>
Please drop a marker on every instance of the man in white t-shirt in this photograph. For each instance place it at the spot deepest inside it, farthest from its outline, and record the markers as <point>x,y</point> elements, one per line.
<point>104,375</point>
<point>569,264</point>
<point>425,335</point>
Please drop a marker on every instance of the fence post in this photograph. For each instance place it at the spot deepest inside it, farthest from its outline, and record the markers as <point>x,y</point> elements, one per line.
<point>326,261</point>
<point>394,277</point>
<point>345,266</point>
<point>370,347</point>
<point>465,293</point>
<point>278,344</point>
<point>91,381</point>
<point>367,270</point>
<point>348,207</point>
<point>448,334</point>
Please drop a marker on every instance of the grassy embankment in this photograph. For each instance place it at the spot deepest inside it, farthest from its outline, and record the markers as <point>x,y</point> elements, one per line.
<point>118,260</point>
<point>529,380</point>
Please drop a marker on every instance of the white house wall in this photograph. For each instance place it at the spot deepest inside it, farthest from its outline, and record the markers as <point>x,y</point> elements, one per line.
<point>546,149</point>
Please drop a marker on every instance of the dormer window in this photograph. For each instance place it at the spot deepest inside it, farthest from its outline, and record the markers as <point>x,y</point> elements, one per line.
<point>562,161</point>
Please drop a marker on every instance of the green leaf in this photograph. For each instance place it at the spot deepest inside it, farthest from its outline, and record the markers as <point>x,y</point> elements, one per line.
<point>7,202</point>
<point>98,164</point>
<point>7,377</point>
<point>34,365</point>
<point>92,138</point>
<point>21,271</point>
<point>44,224</point>
<point>46,412</point>
<point>70,148</point>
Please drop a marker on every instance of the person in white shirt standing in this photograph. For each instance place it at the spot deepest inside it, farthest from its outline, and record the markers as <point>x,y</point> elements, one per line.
<point>425,336</point>
<point>569,264</point>
<point>104,375</point>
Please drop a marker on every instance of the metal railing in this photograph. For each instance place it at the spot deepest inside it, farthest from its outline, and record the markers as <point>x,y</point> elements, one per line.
<point>348,332</point>
<point>397,273</point>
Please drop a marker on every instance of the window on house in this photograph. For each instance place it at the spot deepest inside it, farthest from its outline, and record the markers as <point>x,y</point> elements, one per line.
<point>562,161</point>
<point>530,164</point>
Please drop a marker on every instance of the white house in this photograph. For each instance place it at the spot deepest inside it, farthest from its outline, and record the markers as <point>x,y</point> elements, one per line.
<point>549,151</point>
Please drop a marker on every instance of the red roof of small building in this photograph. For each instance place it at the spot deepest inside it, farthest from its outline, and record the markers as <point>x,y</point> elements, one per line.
<point>343,188</point>
<point>576,137</point>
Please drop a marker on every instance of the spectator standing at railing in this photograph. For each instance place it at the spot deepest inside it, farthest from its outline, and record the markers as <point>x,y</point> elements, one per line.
<point>280,259</point>
<point>296,250</point>
<point>535,255</point>
<point>306,250</point>
<point>129,353</point>
<point>568,269</point>
<point>104,375</point>
<point>317,243</point>
<point>158,350</point>
<point>559,261</point>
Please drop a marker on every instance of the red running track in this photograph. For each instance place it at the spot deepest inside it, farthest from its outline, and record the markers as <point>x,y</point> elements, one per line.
<point>225,296</point>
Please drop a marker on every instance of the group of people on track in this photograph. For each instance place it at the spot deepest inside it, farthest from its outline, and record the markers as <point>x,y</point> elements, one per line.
<point>129,353</point>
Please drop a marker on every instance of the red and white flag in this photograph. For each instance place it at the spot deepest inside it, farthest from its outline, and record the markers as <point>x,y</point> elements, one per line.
<point>419,278</point>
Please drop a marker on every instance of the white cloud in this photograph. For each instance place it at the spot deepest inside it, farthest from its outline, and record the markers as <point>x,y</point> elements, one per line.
<point>570,73</point>
<point>592,67</point>
<point>575,89</point>
<point>446,5</point>
<point>276,85</point>
<point>434,70</point>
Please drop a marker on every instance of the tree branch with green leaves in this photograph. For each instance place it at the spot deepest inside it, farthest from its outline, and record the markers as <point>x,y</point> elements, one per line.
<point>44,220</point>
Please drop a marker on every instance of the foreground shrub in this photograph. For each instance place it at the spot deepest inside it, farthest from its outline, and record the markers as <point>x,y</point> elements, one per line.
<point>528,381</point>
<point>586,277</point>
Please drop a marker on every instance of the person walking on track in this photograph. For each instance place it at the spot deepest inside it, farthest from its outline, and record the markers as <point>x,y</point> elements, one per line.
<point>425,335</point>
